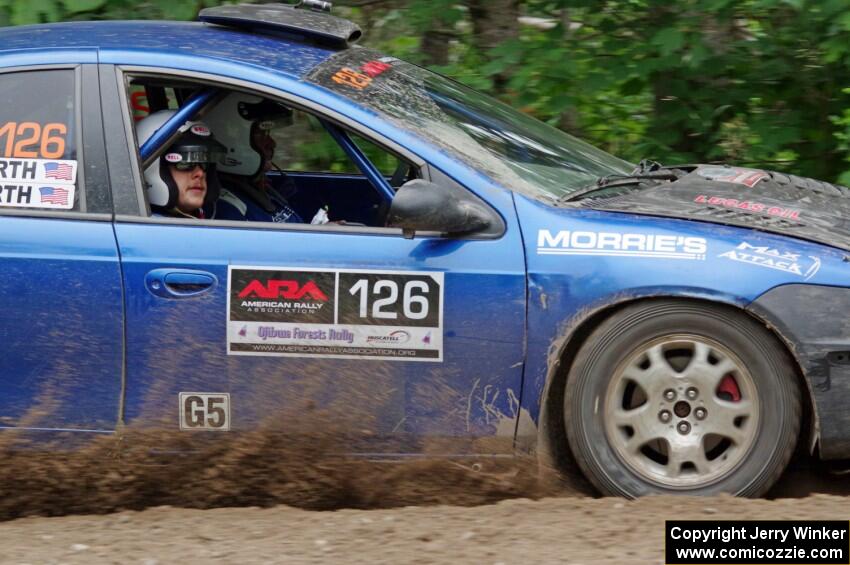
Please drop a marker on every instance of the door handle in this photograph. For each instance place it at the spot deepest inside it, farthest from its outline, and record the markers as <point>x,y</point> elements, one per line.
<point>179,283</point>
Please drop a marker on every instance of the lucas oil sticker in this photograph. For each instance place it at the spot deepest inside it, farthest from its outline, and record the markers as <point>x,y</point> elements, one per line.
<point>352,314</point>
<point>37,183</point>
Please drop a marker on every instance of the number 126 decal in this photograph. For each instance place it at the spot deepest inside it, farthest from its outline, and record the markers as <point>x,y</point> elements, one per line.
<point>384,299</point>
<point>354,314</point>
<point>31,140</point>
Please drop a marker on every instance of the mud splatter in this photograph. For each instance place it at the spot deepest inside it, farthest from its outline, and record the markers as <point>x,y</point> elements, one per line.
<point>141,469</point>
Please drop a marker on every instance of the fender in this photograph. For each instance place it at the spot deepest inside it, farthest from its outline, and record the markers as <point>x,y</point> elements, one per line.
<point>813,320</point>
<point>583,264</point>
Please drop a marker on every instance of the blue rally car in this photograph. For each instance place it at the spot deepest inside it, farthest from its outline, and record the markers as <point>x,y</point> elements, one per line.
<point>425,268</point>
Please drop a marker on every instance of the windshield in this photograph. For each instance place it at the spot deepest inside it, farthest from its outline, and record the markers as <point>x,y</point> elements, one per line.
<point>517,151</point>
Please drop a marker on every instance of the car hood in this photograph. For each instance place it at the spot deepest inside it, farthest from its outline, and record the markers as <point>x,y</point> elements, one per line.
<point>764,200</point>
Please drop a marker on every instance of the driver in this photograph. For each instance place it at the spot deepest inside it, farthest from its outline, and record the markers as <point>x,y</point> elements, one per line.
<point>244,124</point>
<point>182,182</point>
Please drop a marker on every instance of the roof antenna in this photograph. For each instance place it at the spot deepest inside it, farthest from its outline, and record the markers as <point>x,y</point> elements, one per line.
<point>315,5</point>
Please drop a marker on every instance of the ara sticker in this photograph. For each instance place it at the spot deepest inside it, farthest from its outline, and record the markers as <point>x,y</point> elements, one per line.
<point>350,314</point>
<point>736,175</point>
<point>777,259</point>
<point>749,206</point>
<point>173,157</point>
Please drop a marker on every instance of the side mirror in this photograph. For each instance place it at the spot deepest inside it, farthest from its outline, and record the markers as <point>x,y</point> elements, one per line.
<point>420,205</point>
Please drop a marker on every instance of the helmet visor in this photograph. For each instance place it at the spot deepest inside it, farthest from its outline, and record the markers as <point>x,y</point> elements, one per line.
<point>184,156</point>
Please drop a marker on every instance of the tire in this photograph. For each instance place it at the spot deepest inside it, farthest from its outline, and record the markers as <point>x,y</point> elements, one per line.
<point>673,396</point>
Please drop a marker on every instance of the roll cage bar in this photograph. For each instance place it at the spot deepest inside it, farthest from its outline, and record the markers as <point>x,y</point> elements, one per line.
<point>206,97</point>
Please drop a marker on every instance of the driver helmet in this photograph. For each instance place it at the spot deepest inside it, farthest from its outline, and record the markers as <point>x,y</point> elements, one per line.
<point>195,145</point>
<point>237,120</point>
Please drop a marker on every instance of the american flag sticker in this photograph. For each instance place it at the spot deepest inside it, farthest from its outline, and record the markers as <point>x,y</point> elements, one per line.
<point>54,195</point>
<point>57,170</point>
<point>38,171</point>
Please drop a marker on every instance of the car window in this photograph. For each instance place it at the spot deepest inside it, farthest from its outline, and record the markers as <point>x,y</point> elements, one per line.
<point>514,149</point>
<point>273,162</point>
<point>38,148</point>
<point>141,105</point>
<point>305,146</point>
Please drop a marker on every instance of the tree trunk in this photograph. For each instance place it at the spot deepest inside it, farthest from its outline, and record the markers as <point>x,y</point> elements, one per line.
<point>493,22</point>
<point>435,46</point>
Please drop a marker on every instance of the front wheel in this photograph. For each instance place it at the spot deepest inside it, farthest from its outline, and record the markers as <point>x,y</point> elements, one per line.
<point>680,397</point>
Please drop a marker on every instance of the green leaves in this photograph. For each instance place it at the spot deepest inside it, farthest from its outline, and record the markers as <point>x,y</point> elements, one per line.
<point>183,10</point>
<point>76,6</point>
<point>33,11</point>
<point>669,40</point>
<point>749,81</point>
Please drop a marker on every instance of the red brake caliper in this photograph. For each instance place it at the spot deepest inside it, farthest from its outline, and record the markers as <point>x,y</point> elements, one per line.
<point>728,389</point>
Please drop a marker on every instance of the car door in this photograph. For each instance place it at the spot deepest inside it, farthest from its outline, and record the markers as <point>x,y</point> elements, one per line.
<point>303,328</point>
<point>61,350</point>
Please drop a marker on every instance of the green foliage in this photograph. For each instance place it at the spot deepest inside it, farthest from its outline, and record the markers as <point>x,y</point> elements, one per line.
<point>755,82</point>
<point>18,12</point>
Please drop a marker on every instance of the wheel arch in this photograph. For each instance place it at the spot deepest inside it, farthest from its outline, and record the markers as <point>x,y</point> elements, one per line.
<point>552,445</point>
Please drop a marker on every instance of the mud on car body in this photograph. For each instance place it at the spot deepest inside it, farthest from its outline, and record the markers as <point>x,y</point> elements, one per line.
<point>476,283</point>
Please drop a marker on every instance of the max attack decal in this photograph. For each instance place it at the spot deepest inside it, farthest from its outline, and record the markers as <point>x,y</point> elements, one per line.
<point>736,175</point>
<point>661,246</point>
<point>771,258</point>
<point>748,206</point>
<point>339,314</point>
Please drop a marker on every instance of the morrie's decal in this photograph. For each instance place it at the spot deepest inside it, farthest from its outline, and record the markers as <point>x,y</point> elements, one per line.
<point>662,246</point>
<point>735,175</point>
<point>347,314</point>
<point>772,258</point>
<point>749,206</point>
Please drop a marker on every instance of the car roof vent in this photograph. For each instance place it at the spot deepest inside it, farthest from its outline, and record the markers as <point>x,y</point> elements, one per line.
<point>309,18</point>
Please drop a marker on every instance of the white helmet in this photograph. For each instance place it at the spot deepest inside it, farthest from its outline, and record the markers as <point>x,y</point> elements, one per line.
<point>196,144</point>
<point>232,120</point>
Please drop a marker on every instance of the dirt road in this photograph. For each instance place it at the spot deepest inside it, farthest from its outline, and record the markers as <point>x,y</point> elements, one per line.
<point>462,516</point>
<point>551,530</point>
